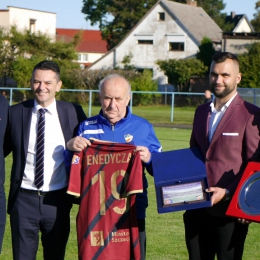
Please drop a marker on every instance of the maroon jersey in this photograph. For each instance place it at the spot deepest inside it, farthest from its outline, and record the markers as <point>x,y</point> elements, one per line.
<point>107,176</point>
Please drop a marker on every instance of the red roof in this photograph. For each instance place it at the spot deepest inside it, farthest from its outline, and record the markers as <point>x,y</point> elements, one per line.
<point>91,40</point>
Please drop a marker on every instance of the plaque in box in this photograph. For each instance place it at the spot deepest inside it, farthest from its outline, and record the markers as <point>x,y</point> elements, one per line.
<point>180,180</point>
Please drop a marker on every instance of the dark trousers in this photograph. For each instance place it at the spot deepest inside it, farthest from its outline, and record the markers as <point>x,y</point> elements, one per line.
<point>2,217</point>
<point>142,237</point>
<point>207,236</point>
<point>48,214</point>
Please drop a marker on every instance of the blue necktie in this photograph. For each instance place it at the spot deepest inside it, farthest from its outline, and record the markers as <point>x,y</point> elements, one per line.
<point>38,181</point>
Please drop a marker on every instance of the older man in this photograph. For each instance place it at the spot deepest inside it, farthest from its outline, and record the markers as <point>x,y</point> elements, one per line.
<point>116,123</point>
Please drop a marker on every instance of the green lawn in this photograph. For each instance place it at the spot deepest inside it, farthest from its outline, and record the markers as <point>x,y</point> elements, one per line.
<point>165,232</point>
<point>158,114</point>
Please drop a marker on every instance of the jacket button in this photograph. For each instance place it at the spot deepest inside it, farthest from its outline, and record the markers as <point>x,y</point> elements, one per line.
<point>207,159</point>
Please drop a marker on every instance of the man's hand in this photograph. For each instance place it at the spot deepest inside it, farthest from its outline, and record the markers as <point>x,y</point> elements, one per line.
<point>78,143</point>
<point>218,194</point>
<point>145,154</point>
<point>244,221</point>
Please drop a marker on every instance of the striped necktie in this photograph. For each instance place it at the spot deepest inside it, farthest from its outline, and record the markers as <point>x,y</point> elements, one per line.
<point>38,181</point>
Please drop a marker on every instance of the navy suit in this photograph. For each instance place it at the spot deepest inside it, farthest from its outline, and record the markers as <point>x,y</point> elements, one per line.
<point>17,142</point>
<point>3,123</point>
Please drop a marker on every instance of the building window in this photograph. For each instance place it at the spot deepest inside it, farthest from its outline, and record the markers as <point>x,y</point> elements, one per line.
<point>176,46</point>
<point>161,17</point>
<point>150,42</point>
<point>32,25</point>
<point>82,57</point>
<point>85,57</point>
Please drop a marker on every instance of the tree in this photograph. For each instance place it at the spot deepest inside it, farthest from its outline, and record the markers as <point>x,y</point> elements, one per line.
<point>180,71</point>
<point>256,21</point>
<point>21,50</point>
<point>6,56</point>
<point>250,67</point>
<point>206,51</point>
<point>144,82</point>
<point>126,14</point>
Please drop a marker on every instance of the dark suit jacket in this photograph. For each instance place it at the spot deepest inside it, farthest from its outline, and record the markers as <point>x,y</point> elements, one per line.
<point>18,137</point>
<point>3,124</point>
<point>234,143</point>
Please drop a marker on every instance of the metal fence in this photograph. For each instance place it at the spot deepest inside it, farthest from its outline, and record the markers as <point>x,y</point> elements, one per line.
<point>89,98</point>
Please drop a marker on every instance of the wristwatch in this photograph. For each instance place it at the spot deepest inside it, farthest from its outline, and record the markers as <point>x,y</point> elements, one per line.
<point>227,195</point>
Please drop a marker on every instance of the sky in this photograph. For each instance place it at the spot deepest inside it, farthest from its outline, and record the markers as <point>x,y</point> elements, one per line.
<point>68,12</point>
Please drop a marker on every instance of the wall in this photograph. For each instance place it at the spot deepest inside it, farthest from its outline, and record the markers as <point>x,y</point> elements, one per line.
<point>243,27</point>
<point>45,22</point>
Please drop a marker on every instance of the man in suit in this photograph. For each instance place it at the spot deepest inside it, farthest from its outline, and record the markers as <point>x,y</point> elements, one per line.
<point>42,205</point>
<point>227,132</point>
<point>3,123</point>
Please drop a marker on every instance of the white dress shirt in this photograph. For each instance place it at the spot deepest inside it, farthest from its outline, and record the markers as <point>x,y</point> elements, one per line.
<point>55,176</point>
<point>216,116</point>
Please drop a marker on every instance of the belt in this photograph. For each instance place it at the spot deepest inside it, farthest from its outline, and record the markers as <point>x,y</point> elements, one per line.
<point>41,193</point>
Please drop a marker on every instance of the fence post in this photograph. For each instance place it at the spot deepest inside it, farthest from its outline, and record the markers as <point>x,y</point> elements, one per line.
<point>90,104</point>
<point>172,108</point>
<point>131,102</point>
<point>11,96</point>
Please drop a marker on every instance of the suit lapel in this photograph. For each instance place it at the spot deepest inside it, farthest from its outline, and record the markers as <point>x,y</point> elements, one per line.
<point>26,118</point>
<point>226,117</point>
<point>64,121</point>
<point>204,119</point>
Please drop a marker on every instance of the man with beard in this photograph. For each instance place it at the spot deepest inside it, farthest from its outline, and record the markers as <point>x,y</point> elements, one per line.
<point>227,132</point>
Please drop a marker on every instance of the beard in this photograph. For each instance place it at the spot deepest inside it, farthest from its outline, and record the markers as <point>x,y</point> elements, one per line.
<point>227,90</point>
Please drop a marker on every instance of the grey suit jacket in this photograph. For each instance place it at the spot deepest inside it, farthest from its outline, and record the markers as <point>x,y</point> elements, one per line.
<point>17,138</point>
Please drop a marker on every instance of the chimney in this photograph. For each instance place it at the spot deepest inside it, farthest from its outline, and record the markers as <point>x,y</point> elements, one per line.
<point>233,14</point>
<point>191,2</point>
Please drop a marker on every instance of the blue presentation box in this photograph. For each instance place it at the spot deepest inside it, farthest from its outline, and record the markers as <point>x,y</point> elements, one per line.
<point>180,180</point>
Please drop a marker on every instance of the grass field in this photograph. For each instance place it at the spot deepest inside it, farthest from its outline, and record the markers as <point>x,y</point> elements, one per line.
<point>158,114</point>
<point>165,232</point>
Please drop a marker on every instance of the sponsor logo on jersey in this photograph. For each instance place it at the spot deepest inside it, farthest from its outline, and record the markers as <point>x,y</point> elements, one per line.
<point>128,138</point>
<point>75,159</point>
<point>97,238</point>
<point>91,122</point>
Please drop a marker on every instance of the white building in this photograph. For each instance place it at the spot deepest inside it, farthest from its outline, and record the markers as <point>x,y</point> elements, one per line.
<point>169,30</point>
<point>33,20</point>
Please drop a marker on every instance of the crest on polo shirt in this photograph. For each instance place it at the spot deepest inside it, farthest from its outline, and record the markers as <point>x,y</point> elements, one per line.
<point>128,138</point>
<point>75,159</point>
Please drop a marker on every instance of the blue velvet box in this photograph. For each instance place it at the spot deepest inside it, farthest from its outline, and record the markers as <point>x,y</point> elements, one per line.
<point>180,180</point>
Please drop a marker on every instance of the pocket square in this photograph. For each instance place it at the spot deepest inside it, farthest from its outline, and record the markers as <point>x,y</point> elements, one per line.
<point>230,134</point>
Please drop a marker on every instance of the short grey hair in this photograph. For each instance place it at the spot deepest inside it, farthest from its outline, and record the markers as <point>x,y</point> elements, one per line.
<point>111,76</point>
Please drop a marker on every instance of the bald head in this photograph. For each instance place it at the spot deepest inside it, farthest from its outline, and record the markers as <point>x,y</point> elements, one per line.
<point>114,96</point>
